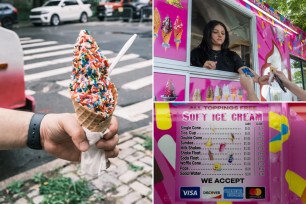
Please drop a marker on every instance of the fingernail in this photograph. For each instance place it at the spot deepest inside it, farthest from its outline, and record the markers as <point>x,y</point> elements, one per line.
<point>84,146</point>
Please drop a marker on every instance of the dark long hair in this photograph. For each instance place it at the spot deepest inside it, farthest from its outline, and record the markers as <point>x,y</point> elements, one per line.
<point>206,43</point>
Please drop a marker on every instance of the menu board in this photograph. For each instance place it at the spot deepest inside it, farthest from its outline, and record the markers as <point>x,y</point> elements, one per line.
<point>222,152</point>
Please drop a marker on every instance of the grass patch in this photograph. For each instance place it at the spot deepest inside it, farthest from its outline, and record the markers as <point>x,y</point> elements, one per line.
<point>135,167</point>
<point>15,187</point>
<point>64,190</point>
<point>147,143</point>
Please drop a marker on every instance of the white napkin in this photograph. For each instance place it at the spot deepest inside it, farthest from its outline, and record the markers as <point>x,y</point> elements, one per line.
<point>94,161</point>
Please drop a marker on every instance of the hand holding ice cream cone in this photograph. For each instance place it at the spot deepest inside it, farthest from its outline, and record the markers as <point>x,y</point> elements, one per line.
<point>93,96</point>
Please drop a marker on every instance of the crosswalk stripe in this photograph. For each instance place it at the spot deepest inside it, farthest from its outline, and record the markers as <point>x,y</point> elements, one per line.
<point>47,63</point>
<point>64,93</point>
<point>39,44</point>
<point>63,70</point>
<point>25,38</point>
<point>63,83</point>
<point>45,74</point>
<point>125,57</point>
<point>69,59</point>
<point>134,112</point>
<point>56,53</point>
<point>138,84</point>
<point>48,54</point>
<point>131,67</point>
<point>29,92</point>
<point>31,41</point>
<point>45,49</point>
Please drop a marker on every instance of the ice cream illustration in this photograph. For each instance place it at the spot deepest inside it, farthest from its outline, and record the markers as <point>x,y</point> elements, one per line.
<point>197,95</point>
<point>176,3</point>
<point>166,32</point>
<point>208,143</point>
<point>213,128</point>
<point>217,167</point>
<point>232,137</point>
<point>211,155</point>
<point>209,94</point>
<point>222,147</point>
<point>230,157</point>
<point>169,93</point>
<point>156,22</point>
<point>226,92</point>
<point>218,93</point>
<point>94,97</point>
<point>178,31</point>
<point>240,94</point>
<point>233,93</point>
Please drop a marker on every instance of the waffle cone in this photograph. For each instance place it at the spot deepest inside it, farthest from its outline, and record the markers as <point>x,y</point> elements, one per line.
<point>94,122</point>
<point>178,35</point>
<point>166,37</point>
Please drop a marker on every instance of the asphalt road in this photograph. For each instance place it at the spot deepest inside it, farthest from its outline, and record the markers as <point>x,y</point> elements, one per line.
<point>47,59</point>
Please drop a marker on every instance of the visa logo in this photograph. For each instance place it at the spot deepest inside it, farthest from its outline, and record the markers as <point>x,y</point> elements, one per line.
<point>190,192</point>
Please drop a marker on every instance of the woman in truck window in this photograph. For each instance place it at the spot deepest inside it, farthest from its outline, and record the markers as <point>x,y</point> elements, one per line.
<point>213,52</point>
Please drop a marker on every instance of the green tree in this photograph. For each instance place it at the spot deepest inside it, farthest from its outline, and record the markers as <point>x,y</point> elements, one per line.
<point>295,10</point>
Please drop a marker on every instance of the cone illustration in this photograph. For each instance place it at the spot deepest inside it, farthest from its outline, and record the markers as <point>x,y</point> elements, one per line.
<point>166,32</point>
<point>178,31</point>
<point>209,94</point>
<point>93,96</point>
<point>157,22</point>
<point>226,92</point>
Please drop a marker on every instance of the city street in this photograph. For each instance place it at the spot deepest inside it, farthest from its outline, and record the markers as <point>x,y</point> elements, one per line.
<point>47,64</point>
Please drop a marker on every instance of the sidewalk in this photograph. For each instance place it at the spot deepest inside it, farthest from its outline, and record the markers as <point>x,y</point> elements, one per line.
<point>127,180</point>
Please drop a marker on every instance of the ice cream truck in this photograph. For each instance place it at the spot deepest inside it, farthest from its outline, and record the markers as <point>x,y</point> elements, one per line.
<point>261,36</point>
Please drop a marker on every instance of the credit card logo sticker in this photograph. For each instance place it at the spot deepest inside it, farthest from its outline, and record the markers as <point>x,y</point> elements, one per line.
<point>190,192</point>
<point>211,192</point>
<point>233,193</point>
<point>255,192</point>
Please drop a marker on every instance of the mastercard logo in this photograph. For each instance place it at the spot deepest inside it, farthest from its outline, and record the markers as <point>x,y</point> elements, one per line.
<point>255,192</point>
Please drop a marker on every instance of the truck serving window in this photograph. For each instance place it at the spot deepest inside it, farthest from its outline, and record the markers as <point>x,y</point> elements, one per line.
<point>237,24</point>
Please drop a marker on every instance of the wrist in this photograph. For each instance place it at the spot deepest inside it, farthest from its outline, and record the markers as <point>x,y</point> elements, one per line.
<point>34,131</point>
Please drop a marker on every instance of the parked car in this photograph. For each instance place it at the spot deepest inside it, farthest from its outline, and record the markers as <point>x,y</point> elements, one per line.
<point>109,9</point>
<point>56,11</point>
<point>136,10</point>
<point>8,15</point>
<point>12,85</point>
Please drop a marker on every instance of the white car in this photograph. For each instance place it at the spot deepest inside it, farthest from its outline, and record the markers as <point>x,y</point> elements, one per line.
<point>56,11</point>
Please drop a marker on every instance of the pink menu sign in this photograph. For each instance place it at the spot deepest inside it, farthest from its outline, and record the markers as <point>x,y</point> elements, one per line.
<point>170,29</point>
<point>222,153</point>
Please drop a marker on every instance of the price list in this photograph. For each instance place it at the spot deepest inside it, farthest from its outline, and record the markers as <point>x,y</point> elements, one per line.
<point>226,149</point>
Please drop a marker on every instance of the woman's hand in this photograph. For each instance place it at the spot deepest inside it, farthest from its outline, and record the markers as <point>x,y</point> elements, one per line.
<point>210,64</point>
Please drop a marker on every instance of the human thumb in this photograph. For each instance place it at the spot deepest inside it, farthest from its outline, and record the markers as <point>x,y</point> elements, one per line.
<point>76,132</point>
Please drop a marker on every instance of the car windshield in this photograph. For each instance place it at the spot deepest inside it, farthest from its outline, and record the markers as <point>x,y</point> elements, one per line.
<point>113,1</point>
<point>51,3</point>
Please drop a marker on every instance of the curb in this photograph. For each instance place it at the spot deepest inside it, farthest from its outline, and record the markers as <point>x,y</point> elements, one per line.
<point>58,163</point>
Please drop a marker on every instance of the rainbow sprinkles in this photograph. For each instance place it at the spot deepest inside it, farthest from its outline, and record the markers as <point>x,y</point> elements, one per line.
<point>90,84</point>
